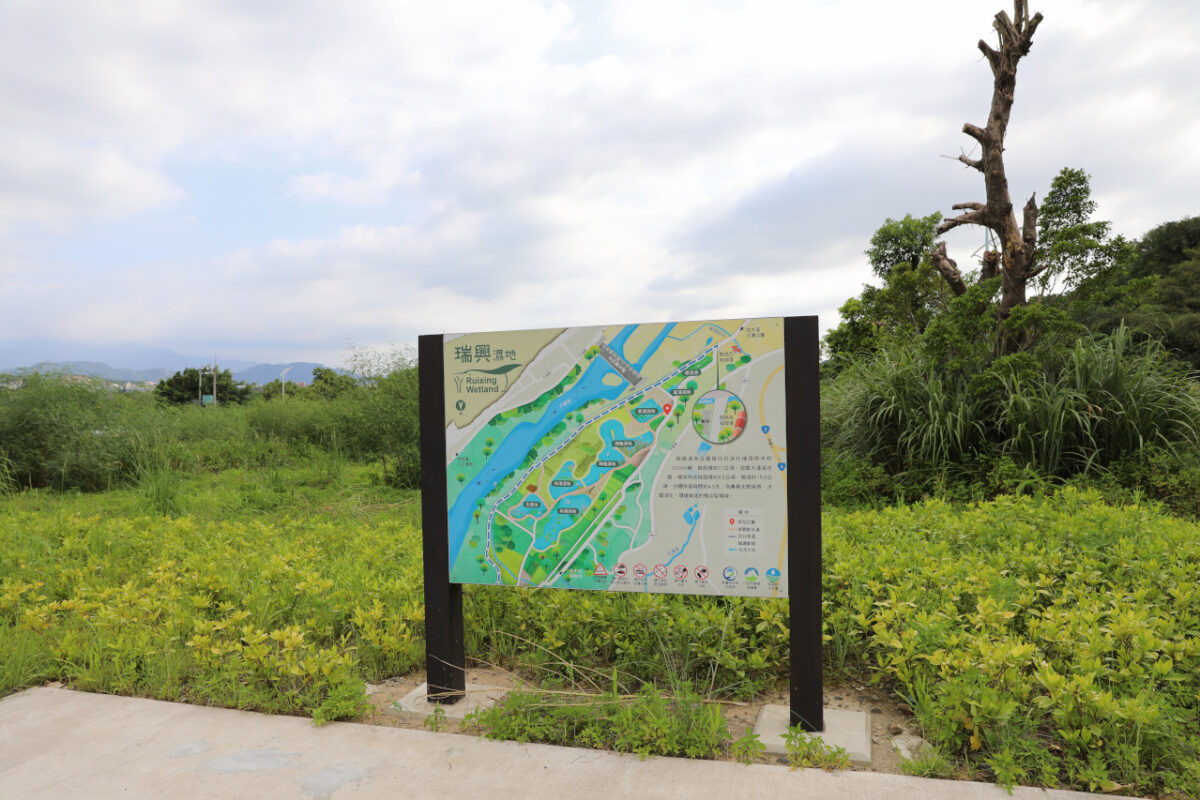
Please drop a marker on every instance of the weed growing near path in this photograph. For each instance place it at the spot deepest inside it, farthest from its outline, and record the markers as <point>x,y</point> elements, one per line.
<point>1052,641</point>
<point>806,750</point>
<point>646,723</point>
<point>288,616</point>
<point>728,647</point>
<point>1049,641</point>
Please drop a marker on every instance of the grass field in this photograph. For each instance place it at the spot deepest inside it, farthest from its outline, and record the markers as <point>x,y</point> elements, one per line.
<point>1051,641</point>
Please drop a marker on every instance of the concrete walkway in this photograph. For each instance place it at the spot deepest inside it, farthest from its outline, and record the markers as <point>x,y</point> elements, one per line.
<point>57,743</point>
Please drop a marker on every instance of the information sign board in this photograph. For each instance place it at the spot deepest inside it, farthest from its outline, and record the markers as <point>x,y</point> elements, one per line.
<point>637,458</point>
<point>623,458</point>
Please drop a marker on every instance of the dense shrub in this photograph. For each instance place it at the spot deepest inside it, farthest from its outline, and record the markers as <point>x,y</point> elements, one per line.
<point>1040,640</point>
<point>848,481</point>
<point>935,418</point>
<point>1101,401</point>
<point>1171,478</point>
<point>1050,640</point>
<point>67,435</point>
<point>732,646</point>
<point>280,617</point>
<point>55,432</point>
<point>388,415</point>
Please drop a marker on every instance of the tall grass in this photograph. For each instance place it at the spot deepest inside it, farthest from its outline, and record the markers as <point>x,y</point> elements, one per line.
<point>65,435</point>
<point>69,436</point>
<point>1108,398</point>
<point>896,410</point>
<point>8,479</point>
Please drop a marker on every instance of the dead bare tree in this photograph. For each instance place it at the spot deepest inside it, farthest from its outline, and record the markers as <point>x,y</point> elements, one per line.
<point>1014,263</point>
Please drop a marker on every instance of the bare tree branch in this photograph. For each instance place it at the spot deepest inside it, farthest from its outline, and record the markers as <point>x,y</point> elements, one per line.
<point>992,56</point>
<point>976,133</point>
<point>1029,223</point>
<point>991,265</point>
<point>949,269</point>
<point>1015,261</point>
<point>1005,28</point>
<point>972,218</point>
<point>1029,29</point>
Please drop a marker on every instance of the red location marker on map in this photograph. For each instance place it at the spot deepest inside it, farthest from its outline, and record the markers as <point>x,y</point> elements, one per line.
<point>666,408</point>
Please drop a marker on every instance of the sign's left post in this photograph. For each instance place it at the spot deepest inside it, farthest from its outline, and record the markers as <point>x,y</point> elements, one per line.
<point>445,664</point>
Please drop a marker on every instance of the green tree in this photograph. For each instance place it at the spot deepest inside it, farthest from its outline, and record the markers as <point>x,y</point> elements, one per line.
<point>1091,270</point>
<point>855,332</point>
<point>1075,251</point>
<point>1177,297</point>
<point>1072,246</point>
<point>387,412</point>
<point>1148,286</point>
<point>328,383</point>
<point>899,243</point>
<point>1168,257</point>
<point>1166,245</point>
<point>275,389</point>
<point>912,294</point>
<point>190,384</point>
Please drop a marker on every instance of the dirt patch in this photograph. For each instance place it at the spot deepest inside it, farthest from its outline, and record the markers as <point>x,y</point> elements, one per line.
<point>888,718</point>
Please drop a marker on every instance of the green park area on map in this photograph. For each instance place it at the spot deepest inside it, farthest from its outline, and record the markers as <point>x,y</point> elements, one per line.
<point>628,458</point>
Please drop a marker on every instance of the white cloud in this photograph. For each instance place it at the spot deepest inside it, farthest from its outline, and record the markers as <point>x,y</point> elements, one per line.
<point>499,165</point>
<point>52,184</point>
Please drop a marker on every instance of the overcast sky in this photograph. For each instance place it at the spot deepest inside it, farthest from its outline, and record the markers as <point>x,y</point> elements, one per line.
<point>270,181</point>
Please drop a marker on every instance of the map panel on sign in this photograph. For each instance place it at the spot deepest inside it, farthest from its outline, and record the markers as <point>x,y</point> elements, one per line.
<point>637,458</point>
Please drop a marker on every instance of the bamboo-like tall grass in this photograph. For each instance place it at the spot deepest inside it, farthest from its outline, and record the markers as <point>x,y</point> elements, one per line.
<point>1107,398</point>
<point>59,434</point>
<point>1110,398</point>
<point>894,410</point>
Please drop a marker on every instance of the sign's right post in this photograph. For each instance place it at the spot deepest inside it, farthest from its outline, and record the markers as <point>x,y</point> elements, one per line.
<point>802,376</point>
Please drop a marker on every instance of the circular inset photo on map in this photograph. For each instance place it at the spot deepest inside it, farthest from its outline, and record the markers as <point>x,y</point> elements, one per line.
<point>719,416</point>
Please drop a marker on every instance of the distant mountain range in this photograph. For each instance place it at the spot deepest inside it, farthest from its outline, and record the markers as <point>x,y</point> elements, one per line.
<point>95,369</point>
<point>22,353</point>
<point>141,363</point>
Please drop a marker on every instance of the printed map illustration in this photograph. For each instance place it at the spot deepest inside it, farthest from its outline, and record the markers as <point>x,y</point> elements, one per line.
<point>638,458</point>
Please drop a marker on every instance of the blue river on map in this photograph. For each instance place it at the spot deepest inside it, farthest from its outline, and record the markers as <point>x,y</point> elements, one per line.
<point>512,451</point>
